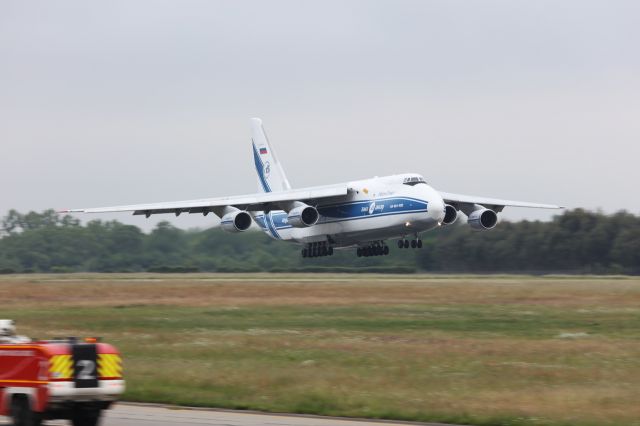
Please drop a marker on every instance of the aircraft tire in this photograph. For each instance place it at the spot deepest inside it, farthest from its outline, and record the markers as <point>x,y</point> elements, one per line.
<point>406,243</point>
<point>386,250</point>
<point>414,244</point>
<point>400,244</point>
<point>419,243</point>
<point>330,251</point>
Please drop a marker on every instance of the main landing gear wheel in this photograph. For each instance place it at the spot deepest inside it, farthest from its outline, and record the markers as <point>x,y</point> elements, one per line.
<point>376,249</point>
<point>318,249</point>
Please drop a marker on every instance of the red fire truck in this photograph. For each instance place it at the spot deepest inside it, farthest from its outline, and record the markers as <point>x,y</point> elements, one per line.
<point>58,379</point>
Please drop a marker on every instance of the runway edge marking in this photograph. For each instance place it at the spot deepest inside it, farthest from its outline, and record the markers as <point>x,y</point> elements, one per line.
<point>278,414</point>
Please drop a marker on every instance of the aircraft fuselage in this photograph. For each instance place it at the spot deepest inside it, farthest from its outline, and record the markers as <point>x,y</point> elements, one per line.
<point>375,209</point>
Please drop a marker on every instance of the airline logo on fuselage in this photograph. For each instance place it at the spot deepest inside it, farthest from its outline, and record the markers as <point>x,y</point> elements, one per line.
<point>372,208</point>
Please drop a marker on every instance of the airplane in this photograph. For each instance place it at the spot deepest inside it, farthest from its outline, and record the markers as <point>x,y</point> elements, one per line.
<point>361,214</point>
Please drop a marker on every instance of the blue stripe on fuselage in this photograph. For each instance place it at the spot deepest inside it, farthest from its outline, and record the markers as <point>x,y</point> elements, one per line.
<point>371,208</point>
<point>273,226</point>
<point>261,222</point>
<point>265,221</point>
<point>343,212</point>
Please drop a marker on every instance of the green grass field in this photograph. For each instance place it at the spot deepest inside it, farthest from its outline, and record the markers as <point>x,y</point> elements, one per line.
<point>477,350</point>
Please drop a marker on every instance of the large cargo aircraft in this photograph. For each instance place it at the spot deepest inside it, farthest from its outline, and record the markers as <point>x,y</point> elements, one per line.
<point>362,214</point>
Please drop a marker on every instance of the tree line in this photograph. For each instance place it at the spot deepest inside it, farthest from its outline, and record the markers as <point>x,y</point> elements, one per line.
<point>575,242</point>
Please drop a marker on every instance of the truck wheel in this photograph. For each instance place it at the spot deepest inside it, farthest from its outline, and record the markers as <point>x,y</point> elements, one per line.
<point>21,412</point>
<point>85,417</point>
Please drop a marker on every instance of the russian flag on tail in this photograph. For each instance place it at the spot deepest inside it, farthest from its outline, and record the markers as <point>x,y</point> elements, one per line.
<point>263,150</point>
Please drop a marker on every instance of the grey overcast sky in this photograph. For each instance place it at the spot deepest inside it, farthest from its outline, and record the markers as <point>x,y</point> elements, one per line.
<point>120,102</point>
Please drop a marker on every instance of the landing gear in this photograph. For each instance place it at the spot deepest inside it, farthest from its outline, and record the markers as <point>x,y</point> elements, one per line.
<point>378,248</point>
<point>319,249</point>
<point>415,243</point>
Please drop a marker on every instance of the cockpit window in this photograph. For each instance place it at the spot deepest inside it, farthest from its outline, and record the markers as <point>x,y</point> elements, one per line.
<point>414,180</point>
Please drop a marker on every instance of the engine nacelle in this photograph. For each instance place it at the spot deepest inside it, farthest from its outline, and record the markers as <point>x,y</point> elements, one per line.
<point>236,221</point>
<point>450,215</point>
<point>483,219</point>
<point>303,216</point>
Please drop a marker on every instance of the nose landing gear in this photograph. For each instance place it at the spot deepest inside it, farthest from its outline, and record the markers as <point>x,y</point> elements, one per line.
<point>415,243</point>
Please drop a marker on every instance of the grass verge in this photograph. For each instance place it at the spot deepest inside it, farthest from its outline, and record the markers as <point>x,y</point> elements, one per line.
<point>490,351</point>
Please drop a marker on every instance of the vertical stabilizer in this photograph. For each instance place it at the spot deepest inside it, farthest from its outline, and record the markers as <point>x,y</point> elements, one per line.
<point>271,177</point>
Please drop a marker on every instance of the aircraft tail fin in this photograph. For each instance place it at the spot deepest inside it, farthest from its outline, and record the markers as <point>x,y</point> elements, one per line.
<point>271,177</point>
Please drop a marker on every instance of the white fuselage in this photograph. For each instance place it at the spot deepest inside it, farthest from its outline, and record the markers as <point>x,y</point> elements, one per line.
<point>373,210</point>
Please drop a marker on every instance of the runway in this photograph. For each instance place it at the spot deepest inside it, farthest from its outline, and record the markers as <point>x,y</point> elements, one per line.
<point>149,415</point>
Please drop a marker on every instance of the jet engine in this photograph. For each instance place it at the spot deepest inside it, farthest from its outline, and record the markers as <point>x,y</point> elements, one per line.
<point>482,219</point>
<point>303,216</point>
<point>236,221</point>
<point>450,214</point>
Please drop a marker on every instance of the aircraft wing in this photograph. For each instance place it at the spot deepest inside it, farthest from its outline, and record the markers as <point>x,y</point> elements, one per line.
<point>491,203</point>
<point>252,202</point>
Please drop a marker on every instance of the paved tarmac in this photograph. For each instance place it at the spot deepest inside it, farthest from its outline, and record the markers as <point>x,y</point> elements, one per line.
<point>143,415</point>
